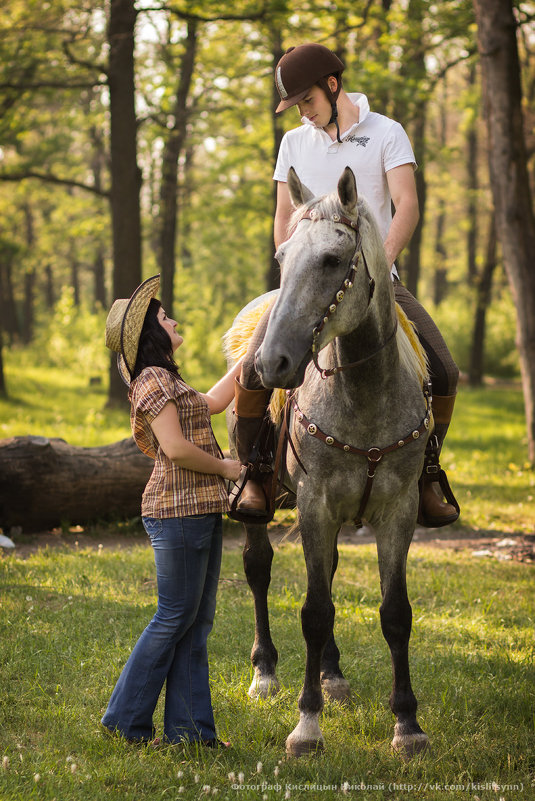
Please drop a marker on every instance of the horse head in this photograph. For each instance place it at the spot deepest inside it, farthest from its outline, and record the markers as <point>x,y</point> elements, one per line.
<point>315,260</point>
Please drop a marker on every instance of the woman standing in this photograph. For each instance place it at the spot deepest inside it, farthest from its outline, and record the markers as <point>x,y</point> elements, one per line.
<point>182,510</point>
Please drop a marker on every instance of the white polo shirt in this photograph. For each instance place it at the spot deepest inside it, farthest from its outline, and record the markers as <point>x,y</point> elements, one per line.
<point>371,147</point>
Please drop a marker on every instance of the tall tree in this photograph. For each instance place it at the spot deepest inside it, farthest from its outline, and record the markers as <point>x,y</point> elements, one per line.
<point>483,298</point>
<point>515,222</point>
<point>125,173</point>
<point>473,184</point>
<point>414,71</point>
<point>277,51</point>
<point>175,138</point>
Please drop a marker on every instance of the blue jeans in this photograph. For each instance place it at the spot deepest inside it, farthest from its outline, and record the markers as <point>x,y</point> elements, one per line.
<point>187,553</point>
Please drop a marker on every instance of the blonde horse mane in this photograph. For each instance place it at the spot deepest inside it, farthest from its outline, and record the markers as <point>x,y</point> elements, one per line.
<point>235,344</point>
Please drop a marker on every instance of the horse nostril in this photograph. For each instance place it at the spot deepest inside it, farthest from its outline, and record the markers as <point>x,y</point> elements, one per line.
<point>283,364</point>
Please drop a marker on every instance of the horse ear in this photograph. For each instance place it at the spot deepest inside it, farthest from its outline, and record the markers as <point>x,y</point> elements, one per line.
<point>347,190</point>
<point>299,193</point>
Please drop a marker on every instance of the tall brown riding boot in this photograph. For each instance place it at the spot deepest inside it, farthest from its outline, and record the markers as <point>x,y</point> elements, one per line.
<point>250,410</point>
<point>438,506</point>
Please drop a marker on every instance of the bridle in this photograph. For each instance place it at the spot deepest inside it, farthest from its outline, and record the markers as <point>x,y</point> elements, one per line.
<point>348,281</point>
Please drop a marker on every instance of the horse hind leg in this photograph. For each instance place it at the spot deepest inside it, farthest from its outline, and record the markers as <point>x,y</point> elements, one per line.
<point>396,621</point>
<point>257,559</point>
<point>333,682</point>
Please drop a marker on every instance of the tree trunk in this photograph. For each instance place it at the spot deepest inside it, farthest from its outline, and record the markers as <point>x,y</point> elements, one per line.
<point>515,221</point>
<point>412,260</point>
<point>477,351</point>
<point>168,188</point>
<point>273,271</point>
<point>3,385</point>
<point>98,162</point>
<point>125,173</point>
<point>28,314</point>
<point>100,278</point>
<point>29,304</point>
<point>440,282</point>
<point>7,293</point>
<point>46,482</point>
<point>414,72</point>
<point>473,187</point>
<point>50,295</point>
<point>75,277</point>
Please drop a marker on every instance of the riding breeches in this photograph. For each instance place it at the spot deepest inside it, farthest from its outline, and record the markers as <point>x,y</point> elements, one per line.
<point>443,371</point>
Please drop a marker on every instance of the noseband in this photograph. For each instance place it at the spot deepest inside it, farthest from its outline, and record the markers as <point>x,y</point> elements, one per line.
<point>348,281</point>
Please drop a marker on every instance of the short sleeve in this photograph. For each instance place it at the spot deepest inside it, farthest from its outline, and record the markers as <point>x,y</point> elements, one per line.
<point>283,162</point>
<point>155,388</point>
<point>397,148</point>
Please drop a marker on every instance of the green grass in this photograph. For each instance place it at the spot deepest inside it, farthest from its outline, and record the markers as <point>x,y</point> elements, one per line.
<point>485,457</point>
<point>69,619</point>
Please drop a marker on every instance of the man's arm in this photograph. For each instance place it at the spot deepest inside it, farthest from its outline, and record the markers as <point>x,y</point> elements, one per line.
<point>283,213</point>
<point>402,188</point>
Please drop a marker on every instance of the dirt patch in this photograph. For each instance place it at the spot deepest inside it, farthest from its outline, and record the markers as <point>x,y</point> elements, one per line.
<point>483,544</point>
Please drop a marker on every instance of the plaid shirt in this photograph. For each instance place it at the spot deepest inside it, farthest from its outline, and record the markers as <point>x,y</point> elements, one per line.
<point>174,491</point>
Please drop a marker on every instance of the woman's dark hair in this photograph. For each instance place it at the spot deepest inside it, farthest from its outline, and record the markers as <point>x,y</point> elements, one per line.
<point>154,348</point>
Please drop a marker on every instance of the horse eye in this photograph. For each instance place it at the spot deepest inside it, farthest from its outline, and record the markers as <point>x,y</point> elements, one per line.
<point>330,260</point>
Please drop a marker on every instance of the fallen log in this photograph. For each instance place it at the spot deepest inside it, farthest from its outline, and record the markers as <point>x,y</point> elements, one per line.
<point>47,482</point>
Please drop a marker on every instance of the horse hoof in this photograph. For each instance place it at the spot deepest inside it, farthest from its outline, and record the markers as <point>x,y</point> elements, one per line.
<point>306,738</point>
<point>299,748</point>
<point>263,687</point>
<point>337,689</point>
<point>409,745</point>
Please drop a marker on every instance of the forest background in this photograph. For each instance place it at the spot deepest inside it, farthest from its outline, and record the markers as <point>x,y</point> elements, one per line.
<point>141,138</point>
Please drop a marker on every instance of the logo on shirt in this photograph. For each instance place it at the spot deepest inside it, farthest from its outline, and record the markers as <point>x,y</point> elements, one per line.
<point>359,140</point>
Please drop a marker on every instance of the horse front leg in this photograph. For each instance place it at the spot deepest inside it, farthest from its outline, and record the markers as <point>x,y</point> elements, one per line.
<point>396,623</point>
<point>317,620</point>
<point>257,558</point>
<point>333,682</point>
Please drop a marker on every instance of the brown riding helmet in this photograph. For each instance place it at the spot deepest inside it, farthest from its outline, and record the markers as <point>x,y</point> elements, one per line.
<point>303,66</point>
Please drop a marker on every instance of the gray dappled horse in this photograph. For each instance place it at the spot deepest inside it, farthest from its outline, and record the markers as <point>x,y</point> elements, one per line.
<point>333,333</point>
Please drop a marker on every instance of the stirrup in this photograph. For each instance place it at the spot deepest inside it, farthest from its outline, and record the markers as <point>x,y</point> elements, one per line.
<point>259,517</point>
<point>431,473</point>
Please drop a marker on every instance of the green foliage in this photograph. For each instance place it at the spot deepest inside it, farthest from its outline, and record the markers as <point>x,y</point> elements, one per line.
<point>70,617</point>
<point>71,338</point>
<point>54,121</point>
<point>485,459</point>
<point>455,319</point>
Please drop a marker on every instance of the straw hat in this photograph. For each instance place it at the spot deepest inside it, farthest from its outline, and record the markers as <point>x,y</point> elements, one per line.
<point>124,324</point>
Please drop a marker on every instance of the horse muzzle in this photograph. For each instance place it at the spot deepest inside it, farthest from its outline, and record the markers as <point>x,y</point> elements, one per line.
<point>280,369</point>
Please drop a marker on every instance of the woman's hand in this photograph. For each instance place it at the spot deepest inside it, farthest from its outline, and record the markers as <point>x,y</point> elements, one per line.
<point>231,469</point>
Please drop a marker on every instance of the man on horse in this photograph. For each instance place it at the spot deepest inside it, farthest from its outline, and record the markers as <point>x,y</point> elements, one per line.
<point>338,130</point>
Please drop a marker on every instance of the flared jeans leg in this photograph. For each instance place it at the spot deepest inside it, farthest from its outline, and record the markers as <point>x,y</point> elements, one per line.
<point>187,554</point>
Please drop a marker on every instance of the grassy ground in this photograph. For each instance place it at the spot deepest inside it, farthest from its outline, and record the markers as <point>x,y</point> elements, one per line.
<point>70,617</point>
